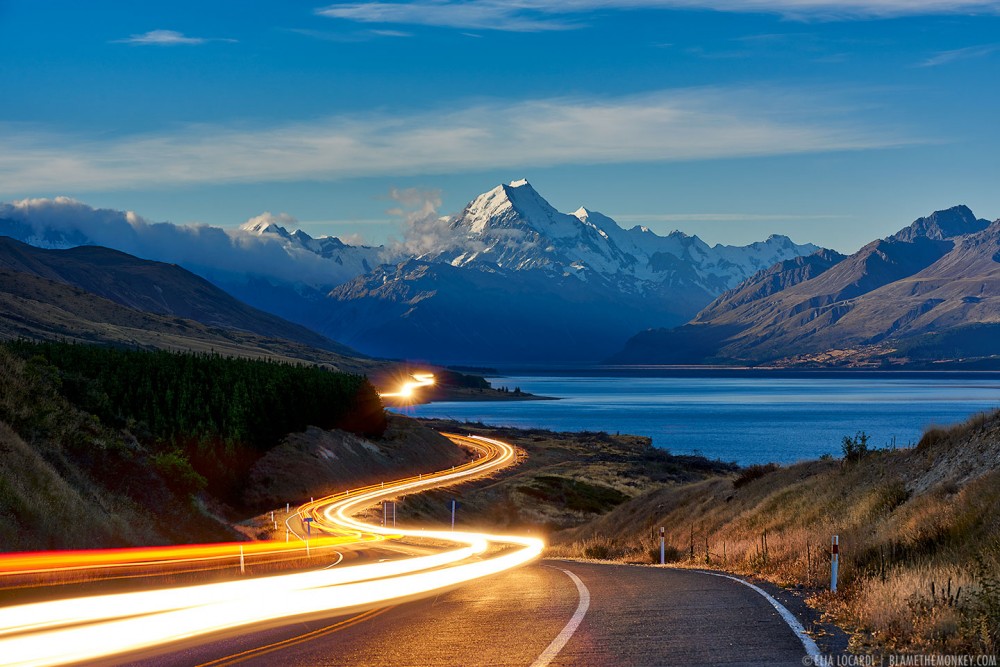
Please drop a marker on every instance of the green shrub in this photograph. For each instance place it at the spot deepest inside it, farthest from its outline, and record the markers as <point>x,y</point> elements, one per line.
<point>177,471</point>
<point>856,448</point>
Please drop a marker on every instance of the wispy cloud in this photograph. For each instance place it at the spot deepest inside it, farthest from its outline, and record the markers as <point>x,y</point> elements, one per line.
<point>672,125</point>
<point>392,33</point>
<point>542,15</point>
<point>724,217</point>
<point>968,53</point>
<point>167,38</point>
<point>476,15</point>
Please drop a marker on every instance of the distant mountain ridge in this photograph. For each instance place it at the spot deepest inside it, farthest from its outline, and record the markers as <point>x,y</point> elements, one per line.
<point>928,292</point>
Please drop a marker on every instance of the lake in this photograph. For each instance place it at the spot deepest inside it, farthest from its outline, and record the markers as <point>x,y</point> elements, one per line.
<point>747,419</point>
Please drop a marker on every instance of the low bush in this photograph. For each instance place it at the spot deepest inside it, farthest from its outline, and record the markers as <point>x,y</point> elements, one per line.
<point>756,471</point>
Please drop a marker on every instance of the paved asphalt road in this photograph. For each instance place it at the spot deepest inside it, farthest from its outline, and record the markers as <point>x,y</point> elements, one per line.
<point>636,616</point>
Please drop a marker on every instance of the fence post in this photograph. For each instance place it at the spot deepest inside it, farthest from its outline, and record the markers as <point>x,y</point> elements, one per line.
<point>834,563</point>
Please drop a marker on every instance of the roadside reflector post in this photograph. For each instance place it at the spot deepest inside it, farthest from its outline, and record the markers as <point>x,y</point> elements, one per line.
<point>453,503</point>
<point>287,508</point>
<point>272,516</point>
<point>286,533</point>
<point>834,563</point>
<point>663,542</point>
<point>242,566</point>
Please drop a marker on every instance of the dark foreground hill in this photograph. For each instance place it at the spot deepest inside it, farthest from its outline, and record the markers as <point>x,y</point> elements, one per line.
<point>102,447</point>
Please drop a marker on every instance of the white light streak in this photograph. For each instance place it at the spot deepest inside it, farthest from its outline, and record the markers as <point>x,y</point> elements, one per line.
<point>91,628</point>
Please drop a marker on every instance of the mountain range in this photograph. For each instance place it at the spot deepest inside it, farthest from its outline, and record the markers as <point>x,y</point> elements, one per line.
<point>929,293</point>
<point>512,280</point>
<point>508,280</point>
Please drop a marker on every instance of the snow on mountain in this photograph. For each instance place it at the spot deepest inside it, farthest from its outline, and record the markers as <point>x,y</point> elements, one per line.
<point>513,227</point>
<point>355,259</point>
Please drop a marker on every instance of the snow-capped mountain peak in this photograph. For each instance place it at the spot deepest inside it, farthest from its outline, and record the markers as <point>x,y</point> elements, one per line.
<point>261,226</point>
<point>513,227</point>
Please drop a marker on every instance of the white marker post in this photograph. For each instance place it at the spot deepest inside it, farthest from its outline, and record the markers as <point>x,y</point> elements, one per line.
<point>663,541</point>
<point>834,563</point>
<point>309,522</point>
<point>453,503</point>
<point>242,567</point>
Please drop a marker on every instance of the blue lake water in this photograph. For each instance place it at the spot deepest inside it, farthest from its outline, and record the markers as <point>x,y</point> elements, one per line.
<point>744,419</point>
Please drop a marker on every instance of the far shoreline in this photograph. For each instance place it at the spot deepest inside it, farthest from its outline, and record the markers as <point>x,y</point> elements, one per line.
<point>693,371</point>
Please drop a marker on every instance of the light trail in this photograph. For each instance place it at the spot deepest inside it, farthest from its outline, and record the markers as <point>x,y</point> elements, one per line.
<point>406,391</point>
<point>97,627</point>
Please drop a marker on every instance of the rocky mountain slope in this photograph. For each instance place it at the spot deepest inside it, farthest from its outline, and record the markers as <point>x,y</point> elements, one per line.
<point>931,291</point>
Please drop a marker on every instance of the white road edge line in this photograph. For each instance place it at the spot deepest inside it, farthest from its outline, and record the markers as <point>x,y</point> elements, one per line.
<point>559,642</point>
<point>340,557</point>
<point>812,650</point>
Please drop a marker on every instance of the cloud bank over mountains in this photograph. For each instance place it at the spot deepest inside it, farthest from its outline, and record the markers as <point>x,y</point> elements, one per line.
<point>208,250</point>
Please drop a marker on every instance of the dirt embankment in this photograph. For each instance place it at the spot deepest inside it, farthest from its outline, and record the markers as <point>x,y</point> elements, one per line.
<point>315,462</point>
<point>561,480</point>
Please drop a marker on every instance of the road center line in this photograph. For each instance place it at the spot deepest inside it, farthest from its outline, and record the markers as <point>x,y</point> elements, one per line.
<point>559,642</point>
<point>812,650</point>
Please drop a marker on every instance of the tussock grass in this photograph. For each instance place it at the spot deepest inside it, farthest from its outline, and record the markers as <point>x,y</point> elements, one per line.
<point>909,522</point>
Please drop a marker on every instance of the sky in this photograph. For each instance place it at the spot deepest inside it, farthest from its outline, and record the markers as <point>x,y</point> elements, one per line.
<point>832,122</point>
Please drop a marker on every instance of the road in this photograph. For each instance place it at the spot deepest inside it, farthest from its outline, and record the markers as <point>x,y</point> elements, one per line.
<point>636,616</point>
<point>437,598</point>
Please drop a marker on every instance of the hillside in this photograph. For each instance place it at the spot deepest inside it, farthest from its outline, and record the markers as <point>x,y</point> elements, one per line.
<point>42,309</point>
<point>913,524</point>
<point>154,287</point>
<point>107,447</point>
<point>931,292</point>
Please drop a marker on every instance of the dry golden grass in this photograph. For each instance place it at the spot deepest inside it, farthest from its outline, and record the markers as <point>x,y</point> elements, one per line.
<point>906,519</point>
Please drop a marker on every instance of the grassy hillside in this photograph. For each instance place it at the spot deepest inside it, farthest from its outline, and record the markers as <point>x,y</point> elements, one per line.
<point>40,308</point>
<point>107,447</point>
<point>915,526</point>
<point>154,287</point>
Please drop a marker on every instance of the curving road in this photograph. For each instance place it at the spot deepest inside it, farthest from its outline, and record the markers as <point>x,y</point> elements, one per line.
<point>635,616</point>
<point>374,600</point>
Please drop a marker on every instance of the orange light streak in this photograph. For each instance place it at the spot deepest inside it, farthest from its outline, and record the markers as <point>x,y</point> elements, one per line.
<point>96,627</point>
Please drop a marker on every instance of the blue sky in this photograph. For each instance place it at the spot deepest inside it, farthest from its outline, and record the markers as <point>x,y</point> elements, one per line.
<point>833,122</point>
